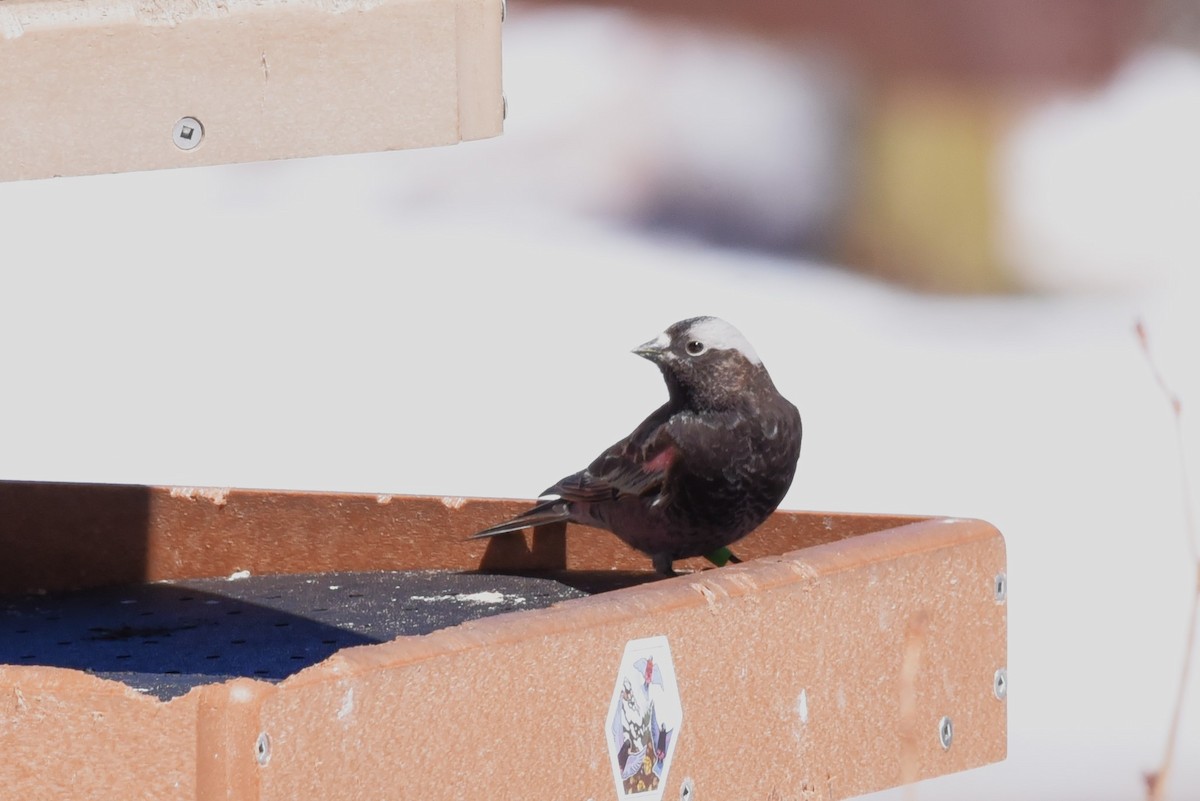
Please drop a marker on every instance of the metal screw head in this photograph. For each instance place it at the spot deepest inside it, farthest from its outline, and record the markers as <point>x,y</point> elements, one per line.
<point>1000,684</point>
<point>687,790</point>
<point>187,133</point>
<point>1000,587</point>
<point>262,749</point>
<point>946,732</point>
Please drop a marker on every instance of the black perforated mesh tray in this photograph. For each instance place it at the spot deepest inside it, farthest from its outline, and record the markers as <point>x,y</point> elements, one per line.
<point>165,638</point>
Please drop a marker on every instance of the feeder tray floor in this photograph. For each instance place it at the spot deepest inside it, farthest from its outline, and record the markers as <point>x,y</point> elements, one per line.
<point>165,638</point>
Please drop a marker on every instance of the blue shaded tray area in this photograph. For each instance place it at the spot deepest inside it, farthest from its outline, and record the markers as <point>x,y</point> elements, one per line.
<point>165,638</point>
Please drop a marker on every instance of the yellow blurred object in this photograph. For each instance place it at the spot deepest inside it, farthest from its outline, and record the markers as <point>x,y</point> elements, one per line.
<point>925,207</point>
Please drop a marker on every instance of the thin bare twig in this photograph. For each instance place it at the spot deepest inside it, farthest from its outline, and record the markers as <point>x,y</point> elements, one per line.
<point>1156,781</point>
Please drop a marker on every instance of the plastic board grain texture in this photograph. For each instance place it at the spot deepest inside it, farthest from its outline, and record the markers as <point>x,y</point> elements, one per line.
<point>819,668</point>
<point>819,674</point>
<point>98,86</point>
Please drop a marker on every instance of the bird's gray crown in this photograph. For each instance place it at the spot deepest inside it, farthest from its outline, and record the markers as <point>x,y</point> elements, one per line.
<point>720,335</point>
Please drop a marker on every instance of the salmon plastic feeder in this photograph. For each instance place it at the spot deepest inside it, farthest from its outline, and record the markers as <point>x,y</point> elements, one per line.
<point>183,643</point>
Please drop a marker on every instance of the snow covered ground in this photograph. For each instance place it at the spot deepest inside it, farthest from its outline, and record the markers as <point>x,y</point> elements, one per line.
<point>320,325</point>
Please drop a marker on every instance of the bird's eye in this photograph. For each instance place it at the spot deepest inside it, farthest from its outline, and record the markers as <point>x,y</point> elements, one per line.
<point>695,347</point>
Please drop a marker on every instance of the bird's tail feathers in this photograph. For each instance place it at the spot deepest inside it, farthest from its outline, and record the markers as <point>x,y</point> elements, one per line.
<point>550,511</point>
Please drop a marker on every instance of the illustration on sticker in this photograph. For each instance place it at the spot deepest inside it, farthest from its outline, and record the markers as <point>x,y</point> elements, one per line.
<point>644,719</point>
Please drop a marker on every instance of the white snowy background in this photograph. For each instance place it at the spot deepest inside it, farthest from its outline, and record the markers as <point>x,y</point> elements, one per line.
<point>458,321</point>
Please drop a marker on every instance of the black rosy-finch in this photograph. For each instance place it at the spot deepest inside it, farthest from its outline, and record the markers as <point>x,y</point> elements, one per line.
<point>702,471</point>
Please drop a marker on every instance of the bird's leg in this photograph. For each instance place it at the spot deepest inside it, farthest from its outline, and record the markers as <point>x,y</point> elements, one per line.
<point>662,564</point>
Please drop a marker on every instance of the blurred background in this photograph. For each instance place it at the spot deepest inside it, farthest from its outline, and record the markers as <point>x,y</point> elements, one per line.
<point>937,220</point>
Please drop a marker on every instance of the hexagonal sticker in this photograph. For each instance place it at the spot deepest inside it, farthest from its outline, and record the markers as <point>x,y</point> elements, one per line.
<point>643,720</point>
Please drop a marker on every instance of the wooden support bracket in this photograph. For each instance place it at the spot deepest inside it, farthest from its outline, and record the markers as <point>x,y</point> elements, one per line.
<point>101,86</point>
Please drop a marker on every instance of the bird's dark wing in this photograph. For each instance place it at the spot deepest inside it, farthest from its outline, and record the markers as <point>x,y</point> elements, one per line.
<point>634,471</point>
<point>636,466</point>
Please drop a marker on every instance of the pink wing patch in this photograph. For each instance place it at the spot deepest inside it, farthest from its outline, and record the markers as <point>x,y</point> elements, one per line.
<point>662,460</point>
